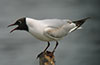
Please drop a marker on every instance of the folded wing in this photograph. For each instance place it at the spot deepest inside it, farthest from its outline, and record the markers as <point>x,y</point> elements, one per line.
<point>58,32</point>
<point>61,31</point>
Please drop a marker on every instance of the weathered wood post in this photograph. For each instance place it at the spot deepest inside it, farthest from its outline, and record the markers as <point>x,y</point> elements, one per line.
<point>46,58</point>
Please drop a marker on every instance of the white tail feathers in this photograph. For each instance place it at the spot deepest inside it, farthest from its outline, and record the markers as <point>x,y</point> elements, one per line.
<point>75,28</point>
<point>80,28</point>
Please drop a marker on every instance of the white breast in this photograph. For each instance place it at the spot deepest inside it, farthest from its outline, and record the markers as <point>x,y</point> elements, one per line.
<point>36,29</point>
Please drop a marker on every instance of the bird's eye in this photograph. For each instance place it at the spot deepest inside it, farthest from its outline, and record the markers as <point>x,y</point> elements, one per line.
<point>19,22</point>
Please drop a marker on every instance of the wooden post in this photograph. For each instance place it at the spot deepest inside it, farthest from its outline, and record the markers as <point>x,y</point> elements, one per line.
<point>46,58</point>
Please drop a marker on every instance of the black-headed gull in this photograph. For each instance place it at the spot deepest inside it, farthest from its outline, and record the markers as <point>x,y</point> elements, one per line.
<point>48,29</point>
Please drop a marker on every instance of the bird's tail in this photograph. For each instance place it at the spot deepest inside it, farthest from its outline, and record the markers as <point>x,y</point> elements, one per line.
<point>80,22</point>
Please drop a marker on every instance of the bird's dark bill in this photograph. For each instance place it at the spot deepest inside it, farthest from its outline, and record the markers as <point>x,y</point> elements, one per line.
<point>12,29</point>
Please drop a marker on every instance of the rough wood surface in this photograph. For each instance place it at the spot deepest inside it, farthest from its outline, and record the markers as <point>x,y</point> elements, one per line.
<point>46,58</point>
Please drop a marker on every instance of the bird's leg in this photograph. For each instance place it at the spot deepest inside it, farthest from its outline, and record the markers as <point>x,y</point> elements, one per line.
<point>55,47</point>
<point>47,47</point>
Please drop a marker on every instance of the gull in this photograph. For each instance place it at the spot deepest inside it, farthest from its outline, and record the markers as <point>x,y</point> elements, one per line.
<point>48,29</point>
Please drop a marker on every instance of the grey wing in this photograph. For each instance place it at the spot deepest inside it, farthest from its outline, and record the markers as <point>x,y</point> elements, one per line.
<point>58,32</point>
<point>55,32</point>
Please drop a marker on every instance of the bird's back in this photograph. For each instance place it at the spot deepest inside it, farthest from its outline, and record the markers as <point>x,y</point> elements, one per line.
<point>53,22</point>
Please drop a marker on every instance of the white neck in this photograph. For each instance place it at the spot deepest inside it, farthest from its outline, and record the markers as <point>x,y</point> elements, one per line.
<point>30,19</point>
<point>30,22</point>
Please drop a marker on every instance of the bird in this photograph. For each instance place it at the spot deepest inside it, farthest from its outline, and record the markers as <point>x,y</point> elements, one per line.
<point>48,29</point>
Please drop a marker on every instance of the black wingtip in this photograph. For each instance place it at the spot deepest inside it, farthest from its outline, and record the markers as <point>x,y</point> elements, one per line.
<point>80,22</point>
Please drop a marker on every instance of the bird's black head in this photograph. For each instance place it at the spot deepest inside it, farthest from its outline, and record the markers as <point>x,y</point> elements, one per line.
<point>21,25</point>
